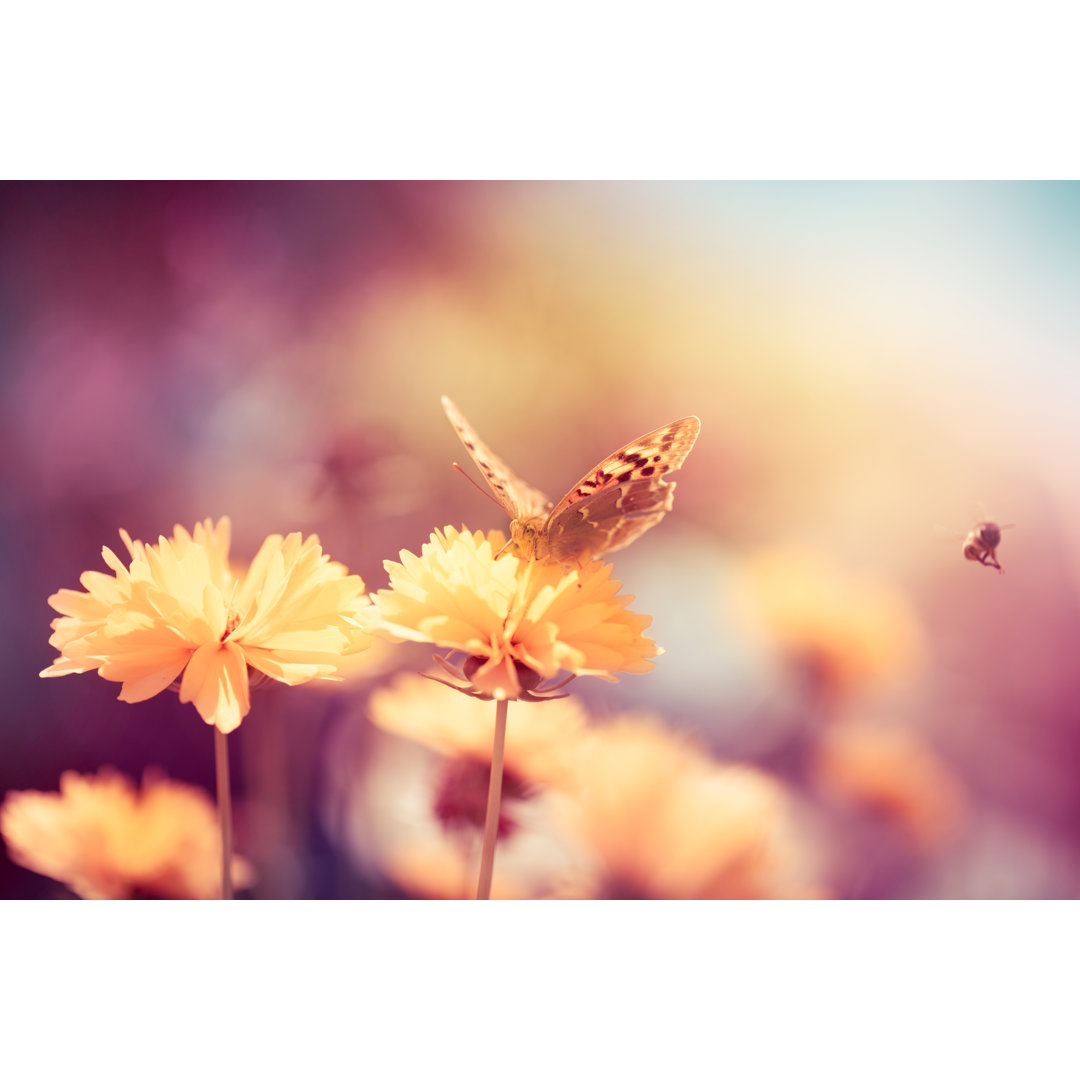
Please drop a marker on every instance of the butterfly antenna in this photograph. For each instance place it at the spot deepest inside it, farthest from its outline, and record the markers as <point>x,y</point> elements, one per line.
<point>487,495</point>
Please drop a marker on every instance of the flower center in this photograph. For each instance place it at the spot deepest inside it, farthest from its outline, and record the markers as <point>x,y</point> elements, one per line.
<point>528,679</point>
<point>462,792</point>
<point>231,623</point>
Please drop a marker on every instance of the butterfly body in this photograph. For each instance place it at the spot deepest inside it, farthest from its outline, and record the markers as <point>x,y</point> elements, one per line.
<point>608,508</point>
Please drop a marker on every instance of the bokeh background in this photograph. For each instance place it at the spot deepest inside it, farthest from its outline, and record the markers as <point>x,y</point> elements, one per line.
<point>877,366</point>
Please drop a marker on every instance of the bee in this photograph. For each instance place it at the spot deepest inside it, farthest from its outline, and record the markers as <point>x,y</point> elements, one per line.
<point>981,544</point>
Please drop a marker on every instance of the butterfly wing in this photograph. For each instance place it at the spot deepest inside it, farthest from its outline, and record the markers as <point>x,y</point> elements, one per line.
<point>623,497</point>
<point>516,497</point>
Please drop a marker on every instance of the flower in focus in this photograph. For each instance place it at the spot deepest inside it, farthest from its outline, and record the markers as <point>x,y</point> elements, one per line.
<point>892,772</point>
<point>518,621</point>
<point>668,822</point>
<point>414,809</point>
<point>845,631</point>
<point>107,840</point>
<point>177,611</point>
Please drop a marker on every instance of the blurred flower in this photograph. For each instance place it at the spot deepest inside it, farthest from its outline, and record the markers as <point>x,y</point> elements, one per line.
<point>108,841</point>
<point>406,815</point>
<point>518,621</point>
<point>417,812</point>
<point>540,739</point>
<point>668,822</point>
<point>179,609</point>
<point>845,630</point>
<point>540,742</point>
<point>892,772</point>
<point>627,809</point>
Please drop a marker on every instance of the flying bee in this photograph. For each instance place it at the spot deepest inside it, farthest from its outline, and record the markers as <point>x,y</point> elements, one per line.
<point>981,544</point>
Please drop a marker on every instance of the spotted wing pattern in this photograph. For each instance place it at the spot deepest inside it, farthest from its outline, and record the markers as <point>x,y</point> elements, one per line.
<point>608,508</point>
<point>516,497</point>
<point>623,497</point>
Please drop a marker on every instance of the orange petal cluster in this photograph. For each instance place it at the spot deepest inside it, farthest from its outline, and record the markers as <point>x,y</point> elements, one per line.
<point>626,808</point>
<point>666,821</point>
<point>392,814</point>
<point>108,840</point>
<point>177,611</point>
<point>849,631</point>
<point>894,772</point>
<point>511,614</point>
<point>541,739</point>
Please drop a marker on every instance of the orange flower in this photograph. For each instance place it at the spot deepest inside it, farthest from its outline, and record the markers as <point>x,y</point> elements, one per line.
<point>668,822</point>
<point>433,856</point>
<point>518,621</point>
<point>178,611</point>
<point>540,742</point>
<point>108,841</point>
<point>848,631</point>
<point>416,816</point>
<point>627,809</point>
<point>893,772</point>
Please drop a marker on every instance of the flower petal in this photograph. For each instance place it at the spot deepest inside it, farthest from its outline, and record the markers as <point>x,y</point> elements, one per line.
<point>457,594</point>
<point>177,607</point>
<point>216,683</point>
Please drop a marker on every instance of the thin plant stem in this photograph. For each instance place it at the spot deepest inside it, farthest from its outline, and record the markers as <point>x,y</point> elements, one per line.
<point>491,822</point>
<point>221,765</point>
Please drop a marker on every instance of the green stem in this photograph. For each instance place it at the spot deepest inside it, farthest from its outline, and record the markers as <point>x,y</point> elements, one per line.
<point>491,822</point>
<point>221,765</point>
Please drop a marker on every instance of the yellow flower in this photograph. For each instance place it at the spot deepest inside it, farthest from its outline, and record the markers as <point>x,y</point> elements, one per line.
<point>518,621</point>
<point>108,841</point>
<point>845,630</point>
<point>540,742</point>
<point>177,611</point>
<point>668,822</point>
<point>893,772</point>
<point>411,809</point>
<point>623,809</point>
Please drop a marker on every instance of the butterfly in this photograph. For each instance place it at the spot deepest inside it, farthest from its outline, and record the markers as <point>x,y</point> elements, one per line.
<point>608,508</point>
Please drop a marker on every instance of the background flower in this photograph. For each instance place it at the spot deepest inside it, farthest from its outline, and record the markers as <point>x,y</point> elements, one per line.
<point>404,800</point>
<point>669,822</point>
<point>619,808</point>
<point>843,631</point>
<point>108,840</point>
<point>885,770</point>
<point>542,738</point>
